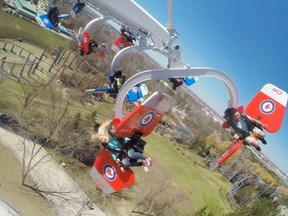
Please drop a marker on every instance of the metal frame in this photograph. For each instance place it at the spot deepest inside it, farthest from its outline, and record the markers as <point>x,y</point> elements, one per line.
<point>175,73</point>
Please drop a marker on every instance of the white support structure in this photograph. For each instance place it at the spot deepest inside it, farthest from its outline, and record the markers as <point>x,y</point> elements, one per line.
<point>144,26</point>
<point>135,17</point>
<point>163,40</point>
<point>164,74</point>
<point>94,21</point>
<point>123,52</point>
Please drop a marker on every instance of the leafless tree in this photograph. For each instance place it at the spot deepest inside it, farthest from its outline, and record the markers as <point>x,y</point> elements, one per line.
<point>31,89</point>
<point>157,200</point>
<point>42,124</point>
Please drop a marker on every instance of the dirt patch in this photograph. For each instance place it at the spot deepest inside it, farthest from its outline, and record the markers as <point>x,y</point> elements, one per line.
<point>22,199</point>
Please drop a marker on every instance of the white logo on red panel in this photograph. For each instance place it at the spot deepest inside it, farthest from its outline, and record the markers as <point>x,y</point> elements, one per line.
<point>267,106</point>
<point>85,39</point>
<point>146,119</point>
<point>109,172</point>
<point>135,89</point>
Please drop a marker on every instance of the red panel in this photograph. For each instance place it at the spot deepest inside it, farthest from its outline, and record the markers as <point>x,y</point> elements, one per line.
<point>120,43</point>
<point>110,172</point>
<point>142,119</point>
<point>229,152</point>
<point>268,110</point>
<point>225,125</point>
<point>102,54</point>
<point>85,42</point>
<point>241,108</point>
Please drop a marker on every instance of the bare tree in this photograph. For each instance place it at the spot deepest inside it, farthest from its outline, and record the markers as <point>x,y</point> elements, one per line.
<point>43,122</point>
<point>157,199</point>
<point>31,89</point>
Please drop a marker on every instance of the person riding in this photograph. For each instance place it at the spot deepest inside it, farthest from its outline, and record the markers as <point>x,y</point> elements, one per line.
<point>116,82</point>
<point>127,33</point>
<point>92,47</point>
<point>53,14</point>
<point>245,128</point>
<point>176,82</point>
<point>134,148</point>
<point>120,152</point>
<point>119,80</point>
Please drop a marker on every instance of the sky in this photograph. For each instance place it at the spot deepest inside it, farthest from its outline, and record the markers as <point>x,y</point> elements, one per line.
<point>247,40</point>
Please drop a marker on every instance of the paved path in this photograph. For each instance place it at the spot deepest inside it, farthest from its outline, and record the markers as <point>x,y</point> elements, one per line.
<point>5,210</point>
<point>69,199</point>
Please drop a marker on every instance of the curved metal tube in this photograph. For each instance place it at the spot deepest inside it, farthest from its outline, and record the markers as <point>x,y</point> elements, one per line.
<point>99,19</point>
<point>174,73</point>
<point>123,52</point>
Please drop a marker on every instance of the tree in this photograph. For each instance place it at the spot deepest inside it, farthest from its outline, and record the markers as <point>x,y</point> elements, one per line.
<point>41,126</point>
<point>203,212</point>
<point>157,199</point>
<point>262,207</point>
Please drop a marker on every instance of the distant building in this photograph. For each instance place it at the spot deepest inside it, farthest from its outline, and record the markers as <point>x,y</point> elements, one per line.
<point>26,9</point>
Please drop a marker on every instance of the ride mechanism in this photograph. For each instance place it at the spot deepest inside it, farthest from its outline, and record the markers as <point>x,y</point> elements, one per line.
<point>45,19</point>
<point>153,36</point>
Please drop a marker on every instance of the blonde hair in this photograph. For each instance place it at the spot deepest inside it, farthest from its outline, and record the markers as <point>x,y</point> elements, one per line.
<point>102,131</point>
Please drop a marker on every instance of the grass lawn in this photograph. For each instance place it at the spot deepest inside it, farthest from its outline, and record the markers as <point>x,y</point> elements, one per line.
<point>202,185</point>
<point>14,27</point>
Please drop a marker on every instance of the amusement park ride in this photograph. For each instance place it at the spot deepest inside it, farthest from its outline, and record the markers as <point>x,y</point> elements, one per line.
<point>50,20</point>
<point>269,104</point>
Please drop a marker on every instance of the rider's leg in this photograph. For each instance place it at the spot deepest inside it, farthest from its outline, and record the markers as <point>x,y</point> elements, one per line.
<point>130,163</point>
<point>135,155</point>
<point>251,140</point>
<point>259,133</point>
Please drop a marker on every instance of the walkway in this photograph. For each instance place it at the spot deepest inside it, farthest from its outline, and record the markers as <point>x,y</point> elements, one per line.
<point>68,198</point>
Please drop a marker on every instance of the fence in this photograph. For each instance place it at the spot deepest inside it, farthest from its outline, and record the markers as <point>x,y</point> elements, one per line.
<point>71,68</point>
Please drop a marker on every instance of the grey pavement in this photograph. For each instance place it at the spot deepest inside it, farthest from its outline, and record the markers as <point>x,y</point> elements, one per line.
<point>69,199</point>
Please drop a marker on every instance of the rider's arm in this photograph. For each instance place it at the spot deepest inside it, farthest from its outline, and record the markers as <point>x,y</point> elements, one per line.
<point>258,122</point>
<point>233,133</point>
<point>114,148</point>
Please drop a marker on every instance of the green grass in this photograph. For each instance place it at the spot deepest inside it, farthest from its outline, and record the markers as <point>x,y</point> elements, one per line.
<point>14,27</point>
<point>202,185</point>
<point>13,93</point>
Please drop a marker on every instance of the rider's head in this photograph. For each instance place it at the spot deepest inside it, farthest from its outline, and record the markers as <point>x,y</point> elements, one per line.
<point>232,114</point>
<point>101,134</point>
<point>123,28</point>
<point>118,74</point>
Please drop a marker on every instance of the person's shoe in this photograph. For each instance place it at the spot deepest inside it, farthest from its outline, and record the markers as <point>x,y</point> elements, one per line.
<point>118,161</point>
<point>145,168</point>
<point>148,161</point>
<point>122,169</point>
<point>258,148</point>
<point>263,141</point>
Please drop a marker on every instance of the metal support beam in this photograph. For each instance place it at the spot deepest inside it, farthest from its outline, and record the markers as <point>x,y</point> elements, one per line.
<point>164,74</point>
<point>121,53</point>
